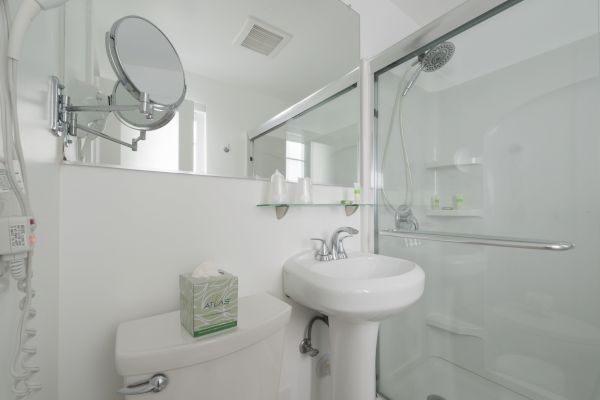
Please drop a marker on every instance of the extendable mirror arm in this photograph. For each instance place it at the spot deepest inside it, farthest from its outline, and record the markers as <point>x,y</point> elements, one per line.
<point>64,115</point>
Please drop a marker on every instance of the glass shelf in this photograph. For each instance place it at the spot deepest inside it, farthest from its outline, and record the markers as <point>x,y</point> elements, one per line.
<point>282,209</point>
<point>467,212</point>
<point>439,164</point>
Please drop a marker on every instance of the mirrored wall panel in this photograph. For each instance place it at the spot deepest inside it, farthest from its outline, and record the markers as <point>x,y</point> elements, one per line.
<point>245,61</point>
<point>321,143</point>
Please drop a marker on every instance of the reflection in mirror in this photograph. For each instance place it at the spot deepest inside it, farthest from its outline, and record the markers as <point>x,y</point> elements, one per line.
<point>232,85</point>
<point>321,143</point>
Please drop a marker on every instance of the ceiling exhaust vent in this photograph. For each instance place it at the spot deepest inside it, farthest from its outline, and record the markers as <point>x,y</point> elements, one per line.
<point>262,37</point>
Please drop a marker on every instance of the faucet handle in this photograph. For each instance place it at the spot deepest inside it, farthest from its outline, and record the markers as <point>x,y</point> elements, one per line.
<point>323,253</point>
<point>341,252</point>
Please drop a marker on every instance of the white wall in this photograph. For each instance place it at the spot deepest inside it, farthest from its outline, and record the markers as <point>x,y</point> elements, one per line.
<point>382,24</point>
<point>40,58</point>
<point>127,235</point>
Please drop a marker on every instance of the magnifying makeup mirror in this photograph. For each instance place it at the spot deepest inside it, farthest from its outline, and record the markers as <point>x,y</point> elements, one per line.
<point>150,87</point>
<point>145,61</point>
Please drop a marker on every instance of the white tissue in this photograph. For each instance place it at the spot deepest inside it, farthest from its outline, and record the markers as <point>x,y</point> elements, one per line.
<point>206,269</point>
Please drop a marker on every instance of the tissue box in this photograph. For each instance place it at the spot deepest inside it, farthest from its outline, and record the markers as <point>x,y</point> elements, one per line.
<point>209,304</point>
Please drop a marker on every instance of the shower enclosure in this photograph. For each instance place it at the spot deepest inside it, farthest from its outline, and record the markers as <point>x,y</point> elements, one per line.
<point>503,140</point>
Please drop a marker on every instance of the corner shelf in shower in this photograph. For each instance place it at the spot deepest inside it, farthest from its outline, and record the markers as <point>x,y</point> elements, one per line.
<point>474,212</point>
<point>282,209</point>
<point>453,164</point>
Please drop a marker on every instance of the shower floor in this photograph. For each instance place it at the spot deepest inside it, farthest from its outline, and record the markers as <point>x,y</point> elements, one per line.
<point>437,377</point>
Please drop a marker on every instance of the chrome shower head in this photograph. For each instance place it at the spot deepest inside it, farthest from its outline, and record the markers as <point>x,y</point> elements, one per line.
<point>431,61</point>
<point>437,57</point>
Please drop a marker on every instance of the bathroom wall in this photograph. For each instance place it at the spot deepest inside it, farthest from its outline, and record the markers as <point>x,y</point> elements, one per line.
<point>382,24</point>
<point>40,58</point>
<point>126,236</point>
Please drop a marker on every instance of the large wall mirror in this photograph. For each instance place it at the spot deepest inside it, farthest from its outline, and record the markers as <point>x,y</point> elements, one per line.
<point>320,141</point>
<point>245,62</point>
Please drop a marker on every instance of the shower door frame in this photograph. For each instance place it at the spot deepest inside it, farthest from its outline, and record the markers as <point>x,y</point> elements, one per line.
<point>459,19</point>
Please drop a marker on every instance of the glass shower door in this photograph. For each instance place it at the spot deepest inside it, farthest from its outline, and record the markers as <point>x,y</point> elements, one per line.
<point>502,139</point>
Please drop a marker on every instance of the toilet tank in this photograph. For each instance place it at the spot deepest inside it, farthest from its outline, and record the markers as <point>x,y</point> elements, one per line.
<point>244,363</point>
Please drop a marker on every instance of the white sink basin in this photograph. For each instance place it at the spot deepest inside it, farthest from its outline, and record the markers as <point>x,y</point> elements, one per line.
<point>355,293</point>
<point>361,287</point>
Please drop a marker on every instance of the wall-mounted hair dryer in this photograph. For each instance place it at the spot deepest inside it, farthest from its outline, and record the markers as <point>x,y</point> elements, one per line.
<point>16,232</point>
<point>28,10</point>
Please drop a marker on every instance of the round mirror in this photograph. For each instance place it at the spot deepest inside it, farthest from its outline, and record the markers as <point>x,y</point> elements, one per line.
<point>145,61</point>
<point>135,119</point>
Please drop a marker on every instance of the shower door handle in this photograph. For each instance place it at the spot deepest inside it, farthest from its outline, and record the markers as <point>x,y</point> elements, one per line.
<point>153,385</point>
<point>483,240</point>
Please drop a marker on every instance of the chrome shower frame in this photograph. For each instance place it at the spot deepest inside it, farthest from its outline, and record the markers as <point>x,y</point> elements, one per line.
<point>461,18</point>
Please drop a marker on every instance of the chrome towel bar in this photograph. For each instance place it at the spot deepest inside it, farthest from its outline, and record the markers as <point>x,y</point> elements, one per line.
<point>483,240</point>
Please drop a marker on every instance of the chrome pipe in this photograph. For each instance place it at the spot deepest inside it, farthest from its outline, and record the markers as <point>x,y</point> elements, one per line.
<point>483,240</point>
<point>306,346</point>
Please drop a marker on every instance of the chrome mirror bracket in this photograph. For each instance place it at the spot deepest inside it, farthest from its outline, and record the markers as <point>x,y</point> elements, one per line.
<point>63,115</point>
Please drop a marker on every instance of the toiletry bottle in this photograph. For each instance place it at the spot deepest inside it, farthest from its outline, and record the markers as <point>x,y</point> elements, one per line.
<point>435,201</point>
<point>458,201</point>
<point>356,192</point>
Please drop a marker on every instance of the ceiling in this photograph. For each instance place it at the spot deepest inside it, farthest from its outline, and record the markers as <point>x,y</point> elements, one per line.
<point>425,11</point>
<point>324,44</point>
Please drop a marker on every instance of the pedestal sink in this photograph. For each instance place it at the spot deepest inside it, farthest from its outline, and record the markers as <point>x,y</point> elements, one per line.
<point>355,293</point>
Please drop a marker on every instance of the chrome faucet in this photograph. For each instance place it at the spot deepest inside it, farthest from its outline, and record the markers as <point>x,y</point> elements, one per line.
<point>337,251</point>
<point>405,219</point>
<point>337,242</point>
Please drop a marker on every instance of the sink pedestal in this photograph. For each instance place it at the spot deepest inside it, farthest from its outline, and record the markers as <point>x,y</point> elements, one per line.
<point>355,293</point>
<point>353,351</point>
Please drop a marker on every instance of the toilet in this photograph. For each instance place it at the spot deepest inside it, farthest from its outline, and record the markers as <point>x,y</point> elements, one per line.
<point>243,363</point>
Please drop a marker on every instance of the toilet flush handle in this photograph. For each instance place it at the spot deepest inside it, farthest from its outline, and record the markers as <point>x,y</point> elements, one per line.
<point>155,384</point>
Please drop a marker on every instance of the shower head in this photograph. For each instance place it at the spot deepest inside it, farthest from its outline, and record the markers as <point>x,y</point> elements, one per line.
<point>431,61</point>
<point>437,57</point>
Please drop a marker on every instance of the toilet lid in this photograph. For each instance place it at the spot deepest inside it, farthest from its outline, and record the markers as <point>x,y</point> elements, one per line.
<point>160,343</point>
